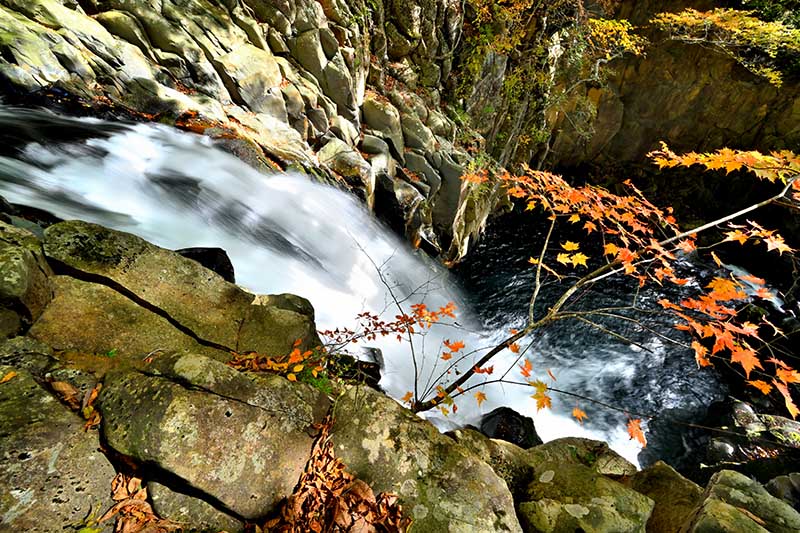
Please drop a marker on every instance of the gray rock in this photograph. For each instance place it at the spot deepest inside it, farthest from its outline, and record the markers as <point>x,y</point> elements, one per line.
<point>247,457</point>
<point>252,77</point>
<point>374,145</point>
<point>193,297</point>
<point>740,492</point>
<point>51,474</point>
<point>571,497</point>
<point>441,485</point>
<point>197,515</point>
<point>338,86</point>
<point>419,165</point>
<point>24,285</point>
<point>416,134</point>
<point>345,130</point>
<point>306,48</point>
<point>381,116</point>
<point>675,497</point>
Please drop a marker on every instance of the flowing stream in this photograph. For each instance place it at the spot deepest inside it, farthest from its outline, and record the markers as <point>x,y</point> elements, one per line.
<point>285,233</point>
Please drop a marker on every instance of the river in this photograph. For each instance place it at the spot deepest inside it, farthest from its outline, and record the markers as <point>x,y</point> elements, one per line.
<point>285,233</point>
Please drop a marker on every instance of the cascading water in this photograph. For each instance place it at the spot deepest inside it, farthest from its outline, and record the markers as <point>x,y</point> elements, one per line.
<point>285,233</point>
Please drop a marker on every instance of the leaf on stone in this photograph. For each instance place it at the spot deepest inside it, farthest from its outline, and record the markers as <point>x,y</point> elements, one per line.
<point>68,394</point>
<point>8,377</point>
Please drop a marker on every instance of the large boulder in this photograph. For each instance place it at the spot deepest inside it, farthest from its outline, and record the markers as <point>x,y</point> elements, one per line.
<point>442,486</point>
<point>24,285</point>
<point>234,441</point>
<point>52,474</point>
<point>735,503</point>
<point>573,497</point>
<point>675,497</point>
<point>193,299</point>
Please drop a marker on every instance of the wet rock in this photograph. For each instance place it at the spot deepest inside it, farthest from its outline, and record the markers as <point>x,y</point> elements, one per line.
<point>506,424</point>
<point>381,116</point>
<point>675,497</point>
<point>245,450</point>
<point>736,503</point>
<point>252,76</point>
<point>574,497</point>
<point>24,285</point>
<point>193,512</point>
<point>787,488</point>
<point>214,259</point>
<point>51,474</point>
<point>194,299</point>
<point>441,485</point>
<point>347,162</point>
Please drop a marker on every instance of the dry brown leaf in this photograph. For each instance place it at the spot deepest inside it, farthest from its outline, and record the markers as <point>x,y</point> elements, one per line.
<point>68,393</point>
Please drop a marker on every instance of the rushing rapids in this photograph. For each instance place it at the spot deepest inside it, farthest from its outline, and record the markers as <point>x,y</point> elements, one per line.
<point>285,233</point>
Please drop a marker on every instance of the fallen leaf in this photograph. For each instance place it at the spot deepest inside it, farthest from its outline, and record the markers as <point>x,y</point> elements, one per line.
<point>8,377</point>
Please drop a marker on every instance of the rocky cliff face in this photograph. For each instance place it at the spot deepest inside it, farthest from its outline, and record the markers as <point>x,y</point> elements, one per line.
<point>347,91</point>
<point>693,97</point>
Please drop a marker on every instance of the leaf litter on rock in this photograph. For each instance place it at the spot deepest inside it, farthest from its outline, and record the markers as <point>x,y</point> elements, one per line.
<point>328,499</point>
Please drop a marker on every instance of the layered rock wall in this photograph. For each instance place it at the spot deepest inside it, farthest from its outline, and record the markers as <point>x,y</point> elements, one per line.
<point>348,91</point>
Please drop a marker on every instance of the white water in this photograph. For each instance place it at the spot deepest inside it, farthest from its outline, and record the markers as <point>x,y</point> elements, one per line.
<point>329,253</point>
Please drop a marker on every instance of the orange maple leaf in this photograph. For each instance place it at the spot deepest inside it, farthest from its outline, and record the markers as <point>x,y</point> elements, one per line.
<point>635,431</point>
<point>542,401</point>
<point>407,397</point>
<point>454,346</point>
<point>746,357</point>
<point>514,347</point>
<point>578,414</point>
<point>787,398</point>
<point>526,368</point>
<point>761,385</point>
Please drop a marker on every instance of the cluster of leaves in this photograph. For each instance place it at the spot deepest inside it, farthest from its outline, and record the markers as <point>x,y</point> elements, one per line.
<point>306,366</point>
<point>610,38</point>
<point>785,11</point>
<point>329,499</point>
<point>134,514</point>
<point>753,42</point>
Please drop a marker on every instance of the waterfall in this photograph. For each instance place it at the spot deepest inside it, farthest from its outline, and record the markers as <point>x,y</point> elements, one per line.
<point>286,233</point>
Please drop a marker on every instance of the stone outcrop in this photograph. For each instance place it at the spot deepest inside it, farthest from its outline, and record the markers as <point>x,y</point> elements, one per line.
<point>679,93</point>
<point>294,85</point>
<point>52,474</point>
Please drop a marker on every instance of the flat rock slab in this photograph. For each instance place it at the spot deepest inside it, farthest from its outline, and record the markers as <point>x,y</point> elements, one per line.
<point>51,472</point>
<point>96,320</point>
<point>246,457</point>
<point>191,296</point>
<point>441,485</point>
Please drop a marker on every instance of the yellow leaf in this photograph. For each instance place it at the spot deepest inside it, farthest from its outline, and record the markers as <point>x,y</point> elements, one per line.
<point>539,385</point>
<point>579,414</point>
<point>542,401</point>
<point>570,246</point>
<point>716,259</point>
<point>579,259</point>
<point>610,249</point>
<point>480,397</point>
<point>298,368</point>
<point>574,218</point>
<point>533,261</point>
<point>564,259</point>
<point>291,377</point>
<point>8,377</point>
